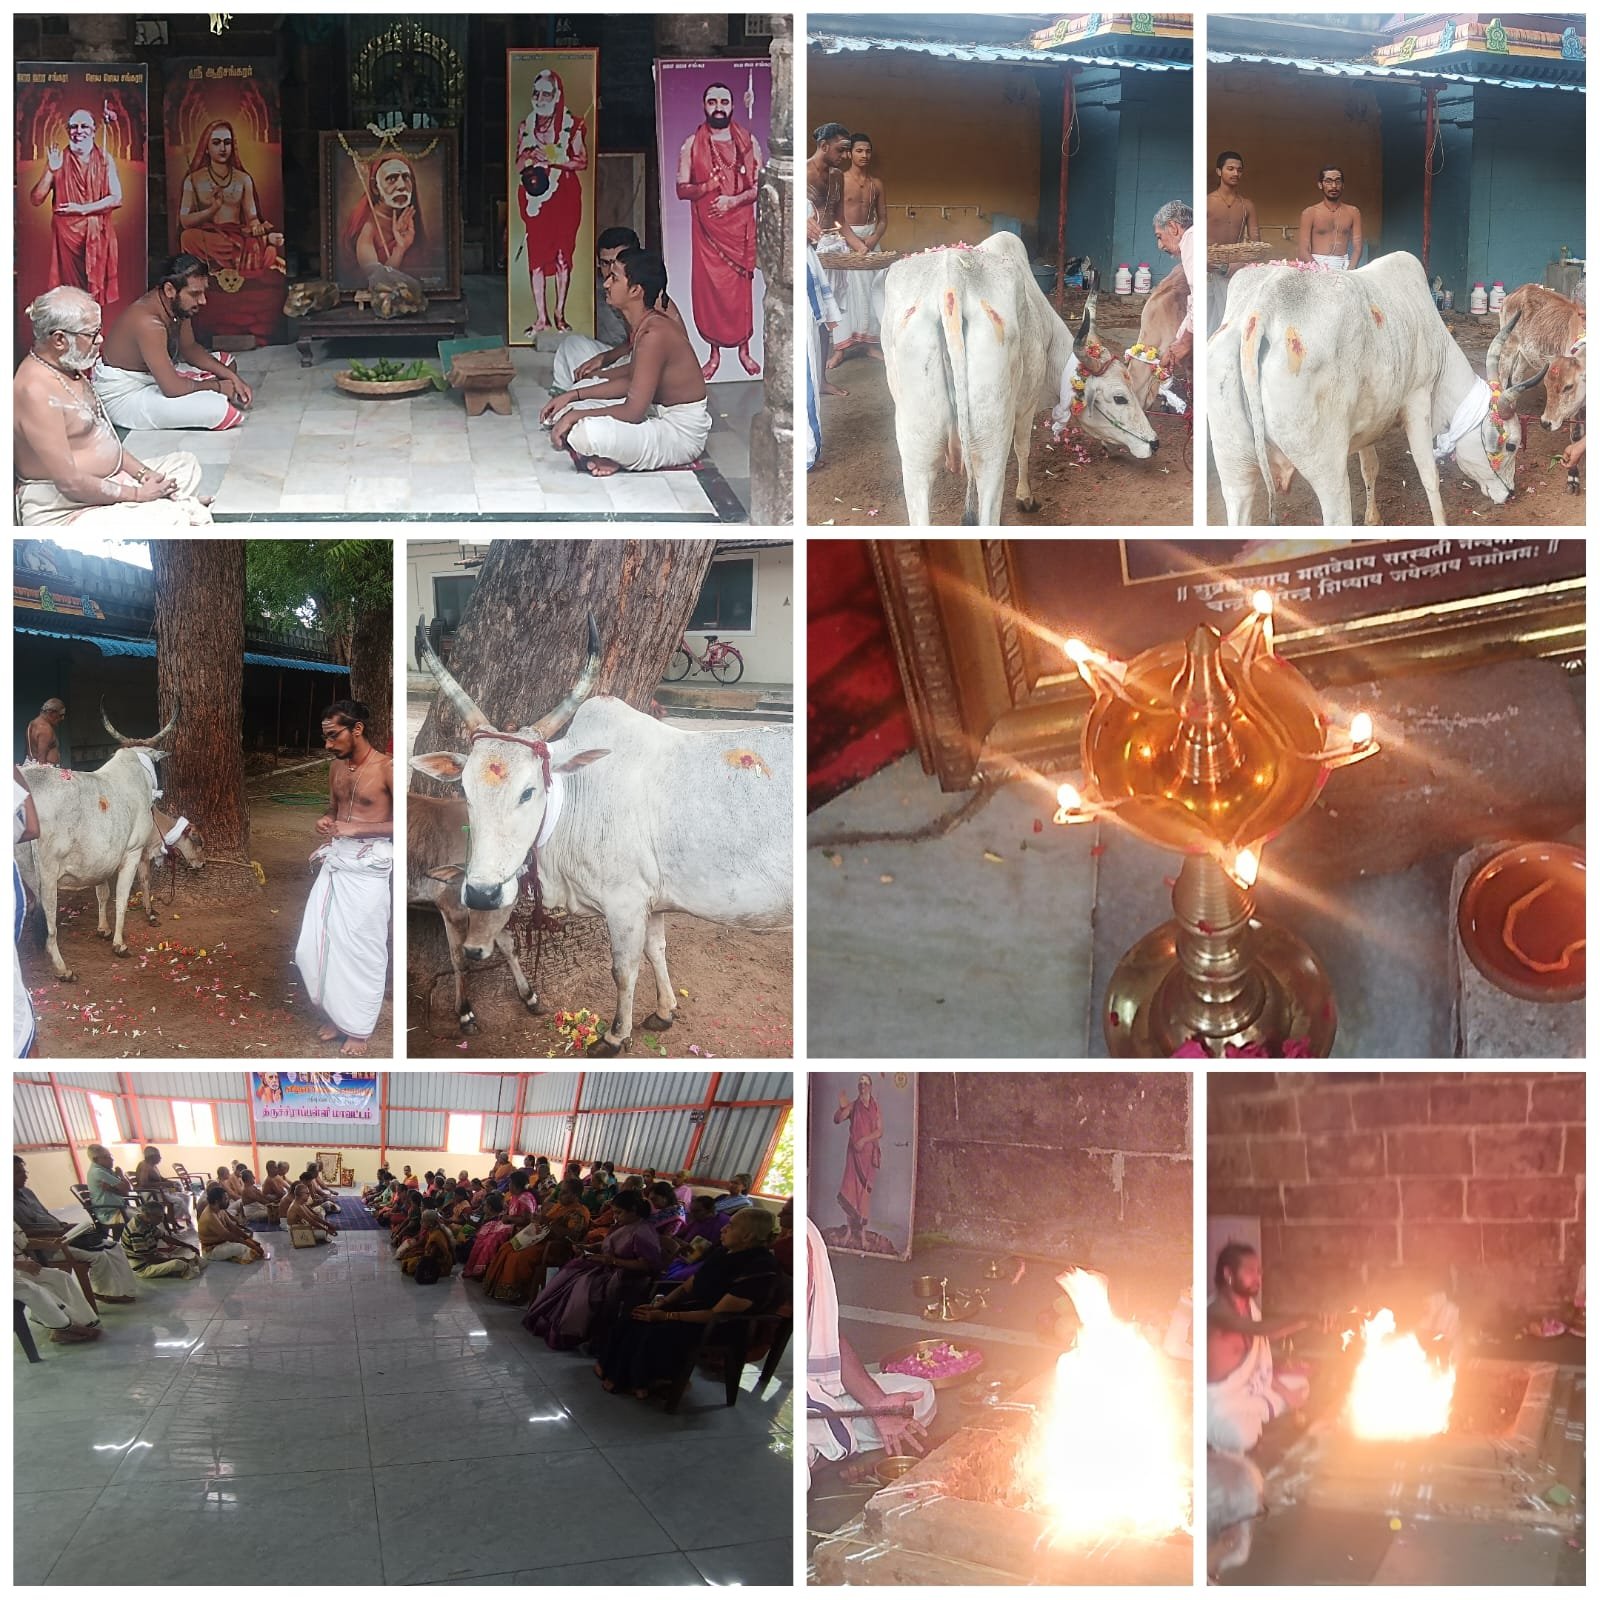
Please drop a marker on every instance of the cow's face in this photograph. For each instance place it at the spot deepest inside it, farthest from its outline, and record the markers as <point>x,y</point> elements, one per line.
<point>1112,413</point>
<point>1488,454</point>
<point>1565,391</point>
<point>483,927</point>
<point>503,782</point>
<point>192,847</point>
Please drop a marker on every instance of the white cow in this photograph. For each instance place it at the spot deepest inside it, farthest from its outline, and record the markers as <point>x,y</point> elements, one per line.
<point>973,352</point>
<point>93,828</point>
<point>1310,367</point>
<point>632,820</point>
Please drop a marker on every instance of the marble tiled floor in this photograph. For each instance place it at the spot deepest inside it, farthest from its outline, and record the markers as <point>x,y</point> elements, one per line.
<point>319,1419</point>
<point>308,448</point>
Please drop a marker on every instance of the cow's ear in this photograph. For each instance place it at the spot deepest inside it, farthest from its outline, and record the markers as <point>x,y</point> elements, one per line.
<point>582,759</point>
<point>448,874</point>
<point>444,765</point>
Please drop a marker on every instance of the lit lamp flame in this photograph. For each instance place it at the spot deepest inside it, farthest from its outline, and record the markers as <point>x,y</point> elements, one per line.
<point>1069,805</point>
<point>1109,1455</point>
<point>1262,601</point>
<point>1077,652</point>
<point>1397,1392</point>
<point>1246,865</point>
<point>1360,729</point>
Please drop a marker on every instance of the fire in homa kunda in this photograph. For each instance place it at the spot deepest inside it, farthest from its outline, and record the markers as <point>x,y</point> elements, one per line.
<point>1399,1391</point>
<point>1085,1475</point>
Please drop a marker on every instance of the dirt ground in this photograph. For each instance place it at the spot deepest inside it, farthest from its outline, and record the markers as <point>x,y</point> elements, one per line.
<point>1541,500</point>
<point>213,979</point>
<point>735,998</point>
<point>857,478</point>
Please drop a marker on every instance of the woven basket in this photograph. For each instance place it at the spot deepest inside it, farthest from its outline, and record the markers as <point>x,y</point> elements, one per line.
<point>391,390</point>
<point>1234,255</point>
<point>857,261</point>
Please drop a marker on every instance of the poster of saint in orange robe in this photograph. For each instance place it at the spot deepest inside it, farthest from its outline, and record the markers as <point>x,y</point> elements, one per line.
<point>224,144</point>
<point>80,180</point>
<point>712,119</point>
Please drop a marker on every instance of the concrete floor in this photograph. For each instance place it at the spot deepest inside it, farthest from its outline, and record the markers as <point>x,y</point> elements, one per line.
<point>963,955</point>
<point>319,1419</point>
<point>307,449</point>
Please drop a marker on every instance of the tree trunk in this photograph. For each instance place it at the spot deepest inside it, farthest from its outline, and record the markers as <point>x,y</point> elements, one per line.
<point>372,671</point>
<point>523,638</point>
<point>200,663</point>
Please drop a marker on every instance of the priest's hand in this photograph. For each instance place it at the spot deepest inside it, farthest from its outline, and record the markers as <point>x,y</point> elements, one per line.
<point>590,368</point>
<point>52,157</point>
<point>902,1436</point>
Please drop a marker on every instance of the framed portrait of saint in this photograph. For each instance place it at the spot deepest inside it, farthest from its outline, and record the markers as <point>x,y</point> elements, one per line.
<point>552,96</point>
<point>861,1174</point>
<point>392,203</point>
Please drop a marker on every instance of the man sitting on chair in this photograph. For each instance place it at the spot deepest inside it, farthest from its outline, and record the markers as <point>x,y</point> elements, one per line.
<point>650,413</point>
<point>110,1276</point>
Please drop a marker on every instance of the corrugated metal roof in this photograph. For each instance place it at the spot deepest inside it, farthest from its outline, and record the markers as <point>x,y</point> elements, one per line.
<point>453,1091</point>
<point>551,1091</point>
<point>113,645</point>
<point>416,1130</point>
<point>604,1091</point>
<point>33,1115</point>
<point>155,1117</point>
<point>735,1140</point>
<point>1365,69</point>
<point>543,1134</point>
<point>233,1122</point>
<point>635,1139</point>
<point>1014,55</point>
<point>104,1082</point>
<point>756,1086</point>
<point>192,1085</point>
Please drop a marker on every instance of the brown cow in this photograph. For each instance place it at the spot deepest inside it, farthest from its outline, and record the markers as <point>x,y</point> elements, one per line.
<point>1158,326</point>
<point>435,852</point>
<point>1547,337</point>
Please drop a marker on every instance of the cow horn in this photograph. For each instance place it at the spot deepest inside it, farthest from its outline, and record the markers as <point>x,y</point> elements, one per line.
<point>1491,362</point>
<point>127,743</point>
<point>1528,383</point>
<point>548,725</point>
<point>452,691</point>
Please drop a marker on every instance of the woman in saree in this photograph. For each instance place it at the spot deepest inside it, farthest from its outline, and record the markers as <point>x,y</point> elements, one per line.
<point>432,1243</point>
<point>516,1275</point>
<point>610,1217</point>
<point>516,1212</point>
<point>587,1295</point>
<point>647,1348</point>
<point>667,1214</point>
<point>405,1221</point>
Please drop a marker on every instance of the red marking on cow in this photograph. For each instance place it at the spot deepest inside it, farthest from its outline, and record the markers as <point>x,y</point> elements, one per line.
<point>1377,315</point>
<point>909,312</point>
<point>1250,326</point>
<point>105,805</point>
<point>1296,347</point>
<point>998,321</point>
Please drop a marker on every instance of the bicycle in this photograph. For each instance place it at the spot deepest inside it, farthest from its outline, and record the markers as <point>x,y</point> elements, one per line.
<point>721,660</point>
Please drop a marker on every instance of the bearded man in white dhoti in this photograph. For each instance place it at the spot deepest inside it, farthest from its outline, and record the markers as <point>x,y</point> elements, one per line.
<point>343,952</point>
<point>1243,1392</point>
<point>53,1298</point>
<point>849,1409</point>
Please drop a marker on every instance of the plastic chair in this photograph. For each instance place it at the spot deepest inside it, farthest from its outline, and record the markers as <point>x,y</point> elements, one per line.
<point>25,1333</point>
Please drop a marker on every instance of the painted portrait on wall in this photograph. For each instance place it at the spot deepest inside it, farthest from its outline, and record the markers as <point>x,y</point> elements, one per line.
<point>392,204</point>
<point>712,118</point>
<point>224,143</point>
<point>862,1161</point>
<point>551,101</point>
<point>81,181</point>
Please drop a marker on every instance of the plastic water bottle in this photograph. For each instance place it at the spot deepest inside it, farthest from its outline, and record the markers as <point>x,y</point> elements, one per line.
<point>1479,304</point>
<point>1124,280</point>
<point>1497,297</point>
<point>1141,279</point>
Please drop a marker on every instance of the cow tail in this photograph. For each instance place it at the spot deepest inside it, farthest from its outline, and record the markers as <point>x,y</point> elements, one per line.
<point>1251,352</point>
<point>953,343</point>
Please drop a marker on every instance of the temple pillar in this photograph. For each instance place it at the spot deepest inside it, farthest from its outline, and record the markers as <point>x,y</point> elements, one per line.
<point>772,432</point>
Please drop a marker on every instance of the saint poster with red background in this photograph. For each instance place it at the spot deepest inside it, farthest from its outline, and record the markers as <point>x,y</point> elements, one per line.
<point>81,191</point>
<point>712,121</point>
<point>224,145</point>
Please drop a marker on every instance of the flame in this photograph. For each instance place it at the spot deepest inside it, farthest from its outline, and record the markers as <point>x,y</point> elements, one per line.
<point>1262,601</point>
<point>1245,867</point>
<point>1360,729</point>
<point>1077,651</point>
<point>1397,1393</point>
<point>1109,1455</point>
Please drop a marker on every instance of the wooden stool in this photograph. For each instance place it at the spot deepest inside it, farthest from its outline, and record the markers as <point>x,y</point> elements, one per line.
<point>484,378</point>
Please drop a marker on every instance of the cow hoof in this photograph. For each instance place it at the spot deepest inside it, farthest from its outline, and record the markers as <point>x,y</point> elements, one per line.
<point>1027,505</point>
<point>468,1021</point>
<point>121,950</point>
<point>657,1024</point>
<point>535,1007</point>
<point>66,977</point>
<point>102,933</point>
<point>153,920</point>
<point>604,1049</point>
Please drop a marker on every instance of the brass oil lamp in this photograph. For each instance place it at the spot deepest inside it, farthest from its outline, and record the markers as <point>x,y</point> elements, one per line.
<point>1210,745</point>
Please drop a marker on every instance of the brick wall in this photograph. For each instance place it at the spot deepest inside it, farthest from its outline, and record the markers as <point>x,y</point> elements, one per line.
<point>1092,1167</point>
<point>1381,1186</point>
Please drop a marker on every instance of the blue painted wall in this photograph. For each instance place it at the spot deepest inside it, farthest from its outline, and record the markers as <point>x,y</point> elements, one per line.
<point>1403,132</point>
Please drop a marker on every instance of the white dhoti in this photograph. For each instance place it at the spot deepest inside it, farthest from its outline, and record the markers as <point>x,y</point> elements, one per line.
<point>669,436</point>
<point>135,400</point>
<point>53,1298</point>
<point>22,1027</point>
<point>255,1212</point>
<point>824,313</point>
<point>1333,263</point>
<point>1245,1401</point>
<point>829,1436</point>
<point>41,504</point>
<point>571,354</point>
<point>860,296</point>
<point>110,1273</point>
<point>343,951</point>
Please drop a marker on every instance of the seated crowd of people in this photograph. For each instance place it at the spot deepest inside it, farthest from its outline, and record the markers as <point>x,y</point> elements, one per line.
<point>137,1227</point>
<point>628,1271</point>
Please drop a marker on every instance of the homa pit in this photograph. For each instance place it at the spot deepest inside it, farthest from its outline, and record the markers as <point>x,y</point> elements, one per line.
<point>1398,1391</point>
